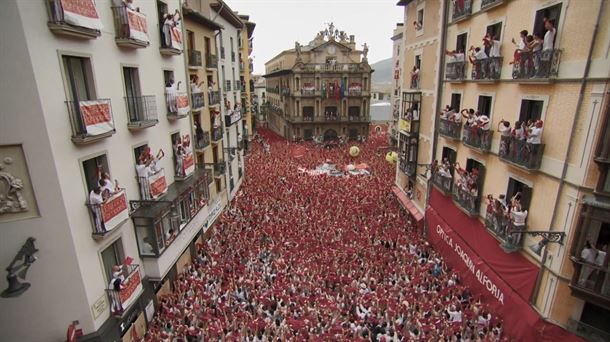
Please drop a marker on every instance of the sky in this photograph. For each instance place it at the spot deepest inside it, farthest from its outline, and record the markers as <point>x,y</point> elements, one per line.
<point>279,23</point>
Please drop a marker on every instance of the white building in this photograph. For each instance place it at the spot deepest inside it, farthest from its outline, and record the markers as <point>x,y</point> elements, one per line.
<point>227,42</point>
<point>396,86</point>
<point>84,92</point>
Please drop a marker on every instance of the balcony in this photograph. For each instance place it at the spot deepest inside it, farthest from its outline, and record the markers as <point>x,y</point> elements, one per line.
<point>354,92</point>
<point>414,82</point>
<point>195,61</point>
<point>537,66</point>
<point>477,138</point>
<point>444,184</point>
<point>308,118</point>
<point>591,282</point>
<point>332,67</point>
<point>203,141</point>
<point>455,71</point>
<point>197,99</point>
<point>449,129</point>
<point>130,28</point>
<point>308,92</point>
<point>502,226</point>
<point>461,10</point>
<point>228,85</point>
<point>520,153</point>
<point>222,52</point>
<point>90,120</point>
<point>142,112</point>
<point>588,332</point>
<point>130,289</point>
<point>211,61</point>
<point>488,4</point>
<point>407,167</point>
<point>177,104</point>
<point>171,42</point>
<point>109,215</point>
<point>285,91</point>
<point>487,69</point>
<point>216,134</point>
<point>214,97</point>
<point>219,169</point>
<point>467,201</point>
<point>65,22</point>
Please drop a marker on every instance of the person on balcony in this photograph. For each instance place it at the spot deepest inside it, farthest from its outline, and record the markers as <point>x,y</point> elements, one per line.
<point>179,154</point>
<point>518,217</point>
<point>588,256</point>
<point>115,286</point>
<point>171,90</point>
<point>482,129</point>
<point>521,46</point>
<point>415,77</point>
<point>477,57</point>
<point>95,202</point>
<point>533,135</point>
<point>199,135</point>
<point>417,25</point>
<point>493,44</point>
<point>547,47</point>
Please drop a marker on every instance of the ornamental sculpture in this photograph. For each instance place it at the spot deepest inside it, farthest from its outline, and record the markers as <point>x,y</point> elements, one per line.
<point>11,198</point>
<point>26,257</point>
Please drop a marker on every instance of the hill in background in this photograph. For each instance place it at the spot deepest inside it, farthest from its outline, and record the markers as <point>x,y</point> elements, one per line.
<point>384,72</point>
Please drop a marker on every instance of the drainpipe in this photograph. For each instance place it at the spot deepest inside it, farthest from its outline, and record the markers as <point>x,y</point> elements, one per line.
<point>438,104</point>
<point>583,85</point>
<point>220,95</point>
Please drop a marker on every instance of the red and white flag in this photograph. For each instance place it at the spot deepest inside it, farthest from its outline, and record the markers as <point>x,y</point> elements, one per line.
<point>114,210</point>
<point>81,13</point>
<point>182,102</point>
<point>137,25</point>
<point>188,164</point>
<point>96,116</point>
<point>157,184</point>
<point>176,38</point>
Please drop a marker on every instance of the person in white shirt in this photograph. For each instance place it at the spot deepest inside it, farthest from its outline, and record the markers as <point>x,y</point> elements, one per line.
<point>588,255</point>
<point>520,46</point>
<point>95,202</point>
<point>549,36</point>
<point>494,45</point>
<point>535,133</point>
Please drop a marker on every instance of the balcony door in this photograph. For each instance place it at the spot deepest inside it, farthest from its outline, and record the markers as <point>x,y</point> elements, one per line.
<point>111,256</point>
<point>451,156</point>
<point>93,169</point>
<point>515,187</point>
<point>80,85</point>
<point>531,110</point>
<point>133,94</point>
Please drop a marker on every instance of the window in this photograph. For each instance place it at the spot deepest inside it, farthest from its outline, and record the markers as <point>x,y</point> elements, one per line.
<point>168,75</point>
<point>353,111</point>
<point>450,155</point>
<point>93,169</point>
<point>231,39</point>
<point>494,31</point>
<point>223,74</point>
<point>418,61</point>
<point>190,40</point>
<point>516,187</point>
<point>140,150</point>
<point>456,101</point>
<point>531,110</point>
<point>461,41</point>
<point>111,256</point>
<point>79,77</point>
<point>484,105</point>
<point>420,19</point>
<point>135,109</point>
<point>208,48</point>
<point>552,13</point>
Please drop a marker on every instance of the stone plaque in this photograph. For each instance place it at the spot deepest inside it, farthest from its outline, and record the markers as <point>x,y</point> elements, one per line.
<point>17,201</point>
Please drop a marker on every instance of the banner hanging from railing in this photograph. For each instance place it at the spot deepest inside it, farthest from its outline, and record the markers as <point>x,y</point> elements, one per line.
<point>96,116</point>
<point>137,25</point>
<point>114,210</point>
<point>182,102</point>
<point>81,13</point>
<point>157,184</point>
<point>176,38</point>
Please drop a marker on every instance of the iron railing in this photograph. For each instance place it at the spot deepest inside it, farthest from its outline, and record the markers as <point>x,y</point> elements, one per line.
<point>211,61</point>
<point>537,65</point>
<point>106,216</point>
<point>455,71</point>
<point>407,167</point>
<point>88,117</point>
<point>195,58</point>
<point>121,299</point>
<point>487,69</point>
<point>520,152</point>
<point>121,24</point>
<point>591,278</point>
<point>449,129</point>
<point>500,223</point>
<point>217,134</point>
<point>588,332</point>
<point>445,184</point>
<point>56,18</point>
<point>214,97</point>
<point>198,100</point>
<point>485,4</point>
<point>461,9</point>
<point>203,141</point>
<point>465,199</point>
<point>308,92</point>
<point>477,138</point>
<point>144,185</point>
<point>172,102</point>
<point>349,67</point>
<point>141,110</point>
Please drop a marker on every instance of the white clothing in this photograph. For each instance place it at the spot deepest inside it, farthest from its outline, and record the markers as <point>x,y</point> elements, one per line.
<point>549,39</point>
<point>601,257</point>
<point>494,49</point>
<point>458,57</point>
<point>519,217</point>
<point>95,198</point>
<point>521,44</point>
<point>534,136</point>
<point>504,131</point>
<point>588,255</point>
<point>480,55</point>
<point>108,186</point>
<point>142,170</point>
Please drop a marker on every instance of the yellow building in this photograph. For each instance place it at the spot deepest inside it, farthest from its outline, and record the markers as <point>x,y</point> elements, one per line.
<point>245,73</point>
<point>204,92</point>
<point>321,89</point>
<point>559,173</point>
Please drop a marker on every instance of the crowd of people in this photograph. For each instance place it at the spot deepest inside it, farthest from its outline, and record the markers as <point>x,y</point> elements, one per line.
<point>534,52</point>
<point>297,257</point>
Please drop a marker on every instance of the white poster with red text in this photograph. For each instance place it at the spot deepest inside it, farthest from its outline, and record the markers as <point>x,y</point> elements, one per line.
<point>114,210</point>
<point>96,116</point>
<point>81,13</point>
<point>157,184</point>
<point>137,25</point>
<point>182,102</point>
<point>188,164</point>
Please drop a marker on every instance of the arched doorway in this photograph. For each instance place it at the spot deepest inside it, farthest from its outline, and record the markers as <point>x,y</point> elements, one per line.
<point>330,135</point>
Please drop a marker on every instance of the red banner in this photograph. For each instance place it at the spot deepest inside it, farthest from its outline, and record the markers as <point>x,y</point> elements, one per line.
<point>137,25</point>
<point>81,13</point>
<point>131,285</point>
<point>188,164</point>
<point>157,184</point>
<point>96,116</point>
<point>114,210</point>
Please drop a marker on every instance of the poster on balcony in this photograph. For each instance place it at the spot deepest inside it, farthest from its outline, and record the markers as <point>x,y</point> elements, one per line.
<point>132,286</point>
<point>157,184</point>
<point>182,102</point>
<point>176,38</point>
<point>114,210</point>
<point>81,13</point>
<point>188,164</point>
<point>96,116</point>
<point>137,25</point>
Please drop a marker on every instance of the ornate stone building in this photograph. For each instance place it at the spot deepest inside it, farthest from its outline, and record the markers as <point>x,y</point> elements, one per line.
<point>321,89</point>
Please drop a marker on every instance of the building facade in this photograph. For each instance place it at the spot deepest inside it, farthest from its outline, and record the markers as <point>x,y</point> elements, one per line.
<point>524,180</point>
<point>104,167</point>
<point>396,85</point>
<point>321,89</point>
<point>245,75</point>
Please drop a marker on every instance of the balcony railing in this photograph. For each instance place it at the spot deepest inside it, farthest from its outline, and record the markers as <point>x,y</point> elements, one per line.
<point>331,117</point>
<point>449,129</point>
<point>198,100</point>
<point>444,184</point>
<point>195,59</point>
<point>308,92</point>
<point>591,280</point>
<point>109,215</point>
<point>222,52</point>
<point>217,134</point>
<point>177,104</point>
<point>153,185</point>
<point>521,153</point>
<point>461,10</point>
<point>537,65</point>
<point>214,97</point>
<point>228,85</point>
<point>121,299</point>
<point>588,332</point>
<point>211,61</point>
<point>501,225</point>
<point>203,141</point>
<point>60,23</point>
<point>130,28</point>
<point>487,69</point>
<point>455,71</point>
<point>339,67</point>
<point>466,200</point>
<point>354,92</point>
<point>90,120</point>
<point>477,138</point>
<point>407,167</point>
<point>141,111</point>
<point>355,118</point>
<point>219,169</point>
<point>487,4</point>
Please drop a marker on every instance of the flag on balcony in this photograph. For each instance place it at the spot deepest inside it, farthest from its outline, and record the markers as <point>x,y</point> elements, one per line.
<point>176,38</point>
<point>342,89</point>
<point>81,13</point>
<point>137,25</point>
<point>336,90</point>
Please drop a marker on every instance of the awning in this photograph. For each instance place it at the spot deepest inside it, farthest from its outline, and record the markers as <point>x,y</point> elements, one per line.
<point>409,206</point>
<point>505,280</point>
